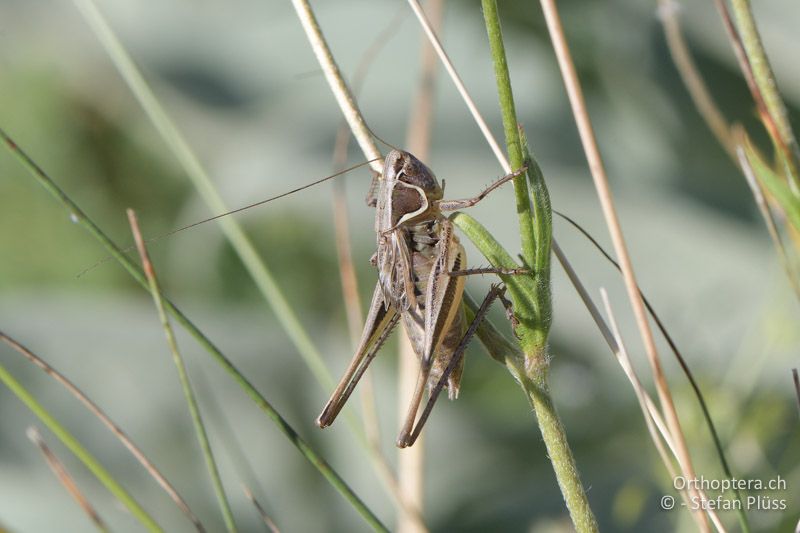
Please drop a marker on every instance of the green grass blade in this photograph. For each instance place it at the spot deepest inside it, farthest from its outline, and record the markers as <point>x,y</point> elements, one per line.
<point>543,237</point>
<point>115,251</point>
<point>183,376</point>
<point>233,232</point>
<point>102,475</point>
<point>199,177</point>
<point>775,184</point>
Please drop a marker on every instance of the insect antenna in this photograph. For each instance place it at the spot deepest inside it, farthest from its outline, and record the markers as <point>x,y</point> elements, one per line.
<point>237,210</point>
<point>390,145</point>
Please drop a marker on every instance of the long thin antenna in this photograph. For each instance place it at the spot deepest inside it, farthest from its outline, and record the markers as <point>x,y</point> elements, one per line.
<point>390,145</point>
<point>238,210</point>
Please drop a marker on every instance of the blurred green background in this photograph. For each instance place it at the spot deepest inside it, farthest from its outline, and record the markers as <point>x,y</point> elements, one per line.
<point>241,83</point>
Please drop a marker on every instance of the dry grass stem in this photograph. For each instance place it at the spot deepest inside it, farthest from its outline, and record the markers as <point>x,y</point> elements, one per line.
<point>350,293</point>
<point>268,522</point>
<point>337,84</point>
<point>114,428</point>
<point>411,461</point>
<point>355,322</point>
<point>183,376</point>
<point>66,479</point>
<point>669,11</point>
<point>462,90</point>
<point>653,419</point>
<point>600,178</point>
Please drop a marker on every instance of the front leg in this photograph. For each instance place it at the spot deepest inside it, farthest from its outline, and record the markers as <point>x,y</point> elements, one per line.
<point>452,205</point>
<point>490,270</point>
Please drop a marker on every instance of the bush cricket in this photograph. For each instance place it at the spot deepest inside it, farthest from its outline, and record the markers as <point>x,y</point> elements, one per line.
<point>421,269</point>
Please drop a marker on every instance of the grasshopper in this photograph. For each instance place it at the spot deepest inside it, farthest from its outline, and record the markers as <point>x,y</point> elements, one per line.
<point>421,271</point>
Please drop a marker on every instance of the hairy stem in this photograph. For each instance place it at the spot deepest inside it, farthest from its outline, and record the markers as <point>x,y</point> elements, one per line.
<point>509,113</point>
<point>535,232</point>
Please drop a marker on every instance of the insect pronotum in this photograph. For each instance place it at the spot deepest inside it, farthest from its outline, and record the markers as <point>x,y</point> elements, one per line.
<point>421,267</point>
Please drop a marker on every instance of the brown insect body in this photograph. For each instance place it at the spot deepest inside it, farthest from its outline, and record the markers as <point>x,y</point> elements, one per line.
<point>416,249</point>
<point>417,253</point>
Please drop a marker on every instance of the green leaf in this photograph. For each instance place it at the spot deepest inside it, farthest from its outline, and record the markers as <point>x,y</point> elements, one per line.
<point>774,183</point>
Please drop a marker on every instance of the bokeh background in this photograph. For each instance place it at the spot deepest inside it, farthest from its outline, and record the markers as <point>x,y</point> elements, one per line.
<point>240,81</point>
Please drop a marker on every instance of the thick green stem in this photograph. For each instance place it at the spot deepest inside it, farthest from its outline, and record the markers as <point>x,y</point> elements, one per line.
<point>762,72</point>
<point>513,143</point>
<point>531,372</point>
<point>531,294</point>
<point>560,454</point>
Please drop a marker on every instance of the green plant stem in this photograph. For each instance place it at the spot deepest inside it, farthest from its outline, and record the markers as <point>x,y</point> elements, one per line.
<point>762,72</point>
<point>559,453</point>
<point>513,143</point>
<point>78,450</point>
<point>531,372</point>
<point>115,251</point>
<point>188,393</point>
<point>553,433</point>
<point>534,312</point>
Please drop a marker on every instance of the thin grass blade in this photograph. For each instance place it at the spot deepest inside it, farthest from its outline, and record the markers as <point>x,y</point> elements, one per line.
<point>114,428</point>
<point>66,479</point>
<point>94,466</point>
<point>186,386</point>
<point>77,214</point>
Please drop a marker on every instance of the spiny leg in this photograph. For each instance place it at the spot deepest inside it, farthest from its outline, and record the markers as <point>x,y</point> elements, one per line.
<point>352,377</point>
<point>490,270</point>
<point>413,407</point>
<point>379,324</point>
<point>452,205</point>
<point>409,437</point>
<point>509,307</point>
